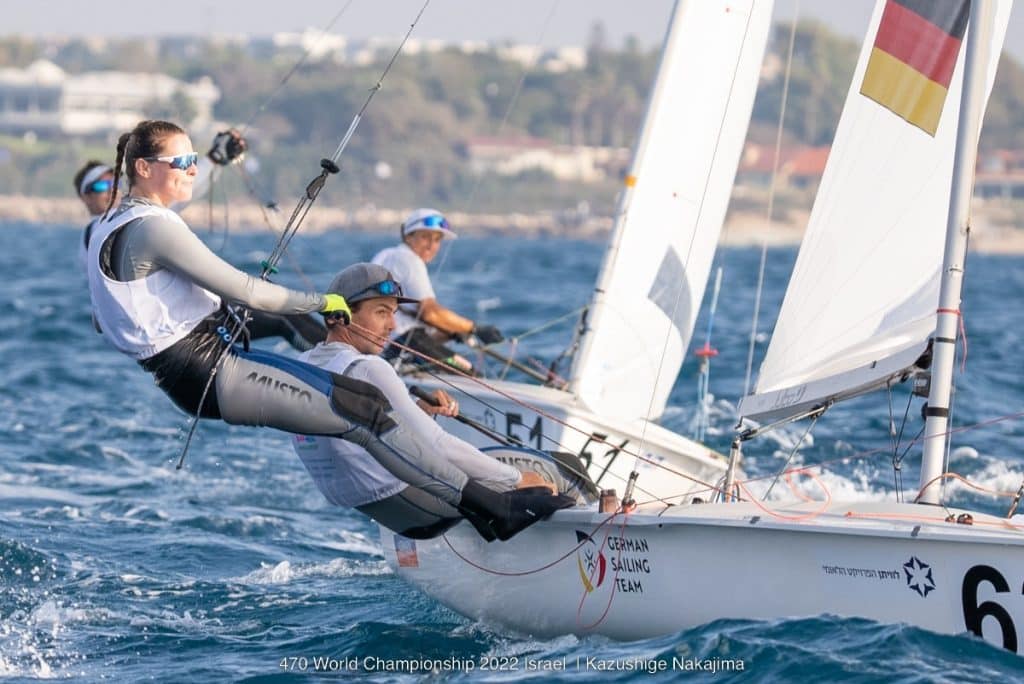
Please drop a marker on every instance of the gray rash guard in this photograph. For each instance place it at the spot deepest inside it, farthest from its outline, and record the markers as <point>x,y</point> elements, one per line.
<point>150,243</point>
<point>261,388</point>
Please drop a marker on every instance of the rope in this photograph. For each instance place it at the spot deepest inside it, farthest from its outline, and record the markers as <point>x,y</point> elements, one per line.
<point>862,455</point>
<point>792,453</point>
<point>474,190</point>
<point>328,166</point>
<point>295,67</point>
<point>539,411</point>
<point>532,571</point>
<point>961,478</point>
<point>793,518</point>
<point>614,583</point>
<point>250,186</point>
<point>670,327</point>
<point>771,204</point>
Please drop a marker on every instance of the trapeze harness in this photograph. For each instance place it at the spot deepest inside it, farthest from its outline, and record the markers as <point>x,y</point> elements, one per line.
<point>175,330</point>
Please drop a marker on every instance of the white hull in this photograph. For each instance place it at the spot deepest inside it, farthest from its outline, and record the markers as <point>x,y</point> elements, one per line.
<point>892,563</point>
<point>606,445</point>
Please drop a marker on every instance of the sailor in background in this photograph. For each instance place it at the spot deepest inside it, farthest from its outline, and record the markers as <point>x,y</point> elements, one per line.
<point>426,326</point>
<point>94,184</point>
<point>348,475</point>
<point>158,292</point>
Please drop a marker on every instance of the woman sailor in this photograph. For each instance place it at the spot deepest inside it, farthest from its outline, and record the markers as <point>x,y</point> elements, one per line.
<point>157,291</point>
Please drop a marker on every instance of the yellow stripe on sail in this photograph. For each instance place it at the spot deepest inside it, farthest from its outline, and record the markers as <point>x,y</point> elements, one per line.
<point>905,91</point>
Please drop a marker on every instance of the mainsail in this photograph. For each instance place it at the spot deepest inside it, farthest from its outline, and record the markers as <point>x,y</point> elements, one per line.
<point>861,303</point>
<point>671,212</point>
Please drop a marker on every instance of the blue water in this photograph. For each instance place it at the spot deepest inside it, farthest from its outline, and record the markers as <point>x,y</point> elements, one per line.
<point>114,565</point>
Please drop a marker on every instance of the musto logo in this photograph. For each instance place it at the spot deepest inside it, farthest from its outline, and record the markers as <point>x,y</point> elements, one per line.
<point>591,562</point>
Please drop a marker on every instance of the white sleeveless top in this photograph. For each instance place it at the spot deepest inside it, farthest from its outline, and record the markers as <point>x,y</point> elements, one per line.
<point>143,317</point>
<point>345,473</point>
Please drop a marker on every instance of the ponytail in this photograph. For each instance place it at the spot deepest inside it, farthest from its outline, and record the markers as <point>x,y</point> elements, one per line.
<point>122,143</point>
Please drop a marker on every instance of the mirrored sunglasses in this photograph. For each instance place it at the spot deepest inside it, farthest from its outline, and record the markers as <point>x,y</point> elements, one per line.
<point>386,288</point>
<point>182,162</point>
<point>98,186</point>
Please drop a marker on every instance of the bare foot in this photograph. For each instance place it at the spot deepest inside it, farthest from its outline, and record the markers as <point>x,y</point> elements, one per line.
<point>532,479</point>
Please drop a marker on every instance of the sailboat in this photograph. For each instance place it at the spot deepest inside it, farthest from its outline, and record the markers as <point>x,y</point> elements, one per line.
<point>645,304</point>
<point>904,145</point>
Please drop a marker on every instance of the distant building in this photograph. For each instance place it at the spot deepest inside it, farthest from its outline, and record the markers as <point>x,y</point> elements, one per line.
<point>557,60</point>
<point>514,156</point>
<point>317,45</point>
<point>800,166</point>
<point>1000,175</point>
<point>45,100</point>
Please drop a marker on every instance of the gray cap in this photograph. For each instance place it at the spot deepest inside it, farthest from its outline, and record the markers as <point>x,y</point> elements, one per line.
<point>366,281</point>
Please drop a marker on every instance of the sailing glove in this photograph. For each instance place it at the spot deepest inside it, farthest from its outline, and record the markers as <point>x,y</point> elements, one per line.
<point>227,146</point>
<point>488,334</point>
<point>335,305</point>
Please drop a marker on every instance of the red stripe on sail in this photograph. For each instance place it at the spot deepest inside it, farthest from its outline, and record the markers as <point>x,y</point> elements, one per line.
<point>918,43</point>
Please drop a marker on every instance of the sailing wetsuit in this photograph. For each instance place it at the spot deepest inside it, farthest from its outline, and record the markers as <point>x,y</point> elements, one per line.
<point>301,331</point>
<point>347,475</point>
<point>157,289</point>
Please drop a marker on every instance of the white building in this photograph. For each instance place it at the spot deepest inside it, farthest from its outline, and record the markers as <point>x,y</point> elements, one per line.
<point>316,44</point>
<point>513,156</point>
<point>43,99</point>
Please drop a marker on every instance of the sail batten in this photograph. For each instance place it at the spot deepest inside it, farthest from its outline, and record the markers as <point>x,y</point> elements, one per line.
<point>672,208</point>
<point>865,287</point>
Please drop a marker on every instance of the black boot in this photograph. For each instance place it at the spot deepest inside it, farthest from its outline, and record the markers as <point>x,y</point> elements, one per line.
<point>505,514</point>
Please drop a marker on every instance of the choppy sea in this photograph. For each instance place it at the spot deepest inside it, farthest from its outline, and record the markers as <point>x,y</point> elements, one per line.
<point>115,566</point>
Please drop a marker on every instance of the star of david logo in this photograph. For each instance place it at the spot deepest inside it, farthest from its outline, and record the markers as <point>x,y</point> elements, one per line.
<point>919,576</point>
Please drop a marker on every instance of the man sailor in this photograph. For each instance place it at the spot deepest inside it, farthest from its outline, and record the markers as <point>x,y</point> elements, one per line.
<point>349,476</point>
<point>157,292</point>
<point>425,325</point>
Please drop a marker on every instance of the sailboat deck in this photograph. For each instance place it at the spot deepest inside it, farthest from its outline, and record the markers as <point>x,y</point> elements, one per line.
<point>886,519</point>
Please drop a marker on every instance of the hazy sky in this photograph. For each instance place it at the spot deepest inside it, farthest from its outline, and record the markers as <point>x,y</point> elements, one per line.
<point>520,20</point>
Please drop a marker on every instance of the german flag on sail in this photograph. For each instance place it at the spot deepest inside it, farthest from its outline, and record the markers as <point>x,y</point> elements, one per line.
<point>913,58</point>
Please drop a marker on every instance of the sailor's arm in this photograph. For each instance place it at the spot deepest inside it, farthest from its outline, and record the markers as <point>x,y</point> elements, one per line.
<point>435,441</point>
<point>177,248</point>
<point>434,314</point>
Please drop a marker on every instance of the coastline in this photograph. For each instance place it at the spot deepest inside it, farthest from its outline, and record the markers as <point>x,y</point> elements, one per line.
<point>993,226</point>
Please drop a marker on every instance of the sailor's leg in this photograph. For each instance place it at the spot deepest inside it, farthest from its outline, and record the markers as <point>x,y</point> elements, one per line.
<point>300,331</point>
<point>413,513</point>
<point>566,471</point>
<point>265,389</point>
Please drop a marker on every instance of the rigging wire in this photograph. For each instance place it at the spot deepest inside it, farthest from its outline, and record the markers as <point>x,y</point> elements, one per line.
<point>295,67</point>
<point>263,199</point>
<point>541,412</point>
<point>792,453</point>
<point>513,101</point>
<point>771,202</point>
<point>897,438</point>
<point>682,286</point>
<point>302,208</point>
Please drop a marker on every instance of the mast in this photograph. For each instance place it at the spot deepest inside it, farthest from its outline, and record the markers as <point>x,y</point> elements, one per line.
<point>979,41</point>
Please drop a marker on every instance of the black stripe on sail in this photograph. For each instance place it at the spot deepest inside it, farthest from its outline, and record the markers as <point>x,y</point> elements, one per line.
<point>949,15</point>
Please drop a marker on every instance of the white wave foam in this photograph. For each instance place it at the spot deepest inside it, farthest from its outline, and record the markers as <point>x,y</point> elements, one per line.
<point>284,572</point>
<point>840,487</point>
<point>997,475</point>
<point>355,542</point>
